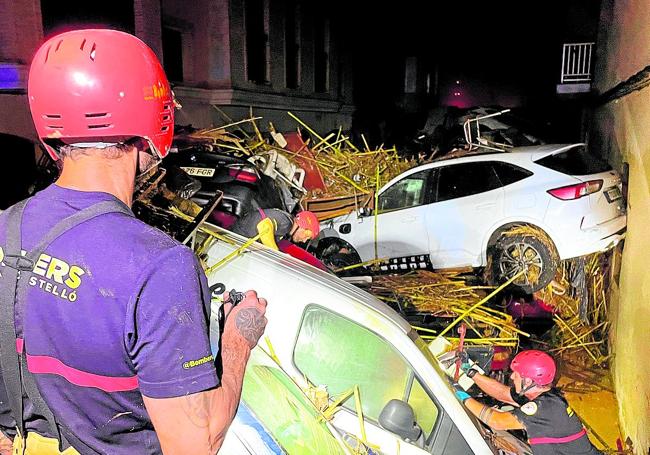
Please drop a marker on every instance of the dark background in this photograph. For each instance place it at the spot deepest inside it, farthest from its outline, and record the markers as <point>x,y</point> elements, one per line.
<point>503,52</point>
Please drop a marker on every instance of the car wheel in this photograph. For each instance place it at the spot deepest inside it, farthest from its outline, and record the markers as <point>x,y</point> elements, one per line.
<point>531,251</point>
<point>336,253</point>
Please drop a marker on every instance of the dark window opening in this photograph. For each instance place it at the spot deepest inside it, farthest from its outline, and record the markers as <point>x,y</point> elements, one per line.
<point>410,74</point>
<point>576,161</point>
<point>321,55</point>
<point>172,42</point>
<point>341,72</point>
<point>466,179</point>
<point>59,16</point>
<point>292,44</point>
<point>256,41</point>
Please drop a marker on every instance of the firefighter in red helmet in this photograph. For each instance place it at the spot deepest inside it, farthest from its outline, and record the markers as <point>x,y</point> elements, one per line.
<point>104,341</point>
<point>552,427</point>
<point>273,225</point>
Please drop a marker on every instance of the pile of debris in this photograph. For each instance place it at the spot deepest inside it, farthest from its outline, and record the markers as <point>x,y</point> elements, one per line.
<point>346,168</point>
<point>575,304</point>
<point>448,129</point>
<point>446,296</point>
<point>329,169</point>
<point>579,298</point>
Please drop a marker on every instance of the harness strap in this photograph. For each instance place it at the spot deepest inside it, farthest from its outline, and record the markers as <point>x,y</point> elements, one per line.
<point>9,361</point>
<point>18,381</point>
<point>564,440</point>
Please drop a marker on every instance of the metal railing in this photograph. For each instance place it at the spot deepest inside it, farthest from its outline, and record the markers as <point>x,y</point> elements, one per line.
<point>478,141</point>
<point>576,62</point>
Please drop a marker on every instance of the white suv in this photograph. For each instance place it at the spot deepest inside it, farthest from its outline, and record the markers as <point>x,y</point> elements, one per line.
<point>461,212</point>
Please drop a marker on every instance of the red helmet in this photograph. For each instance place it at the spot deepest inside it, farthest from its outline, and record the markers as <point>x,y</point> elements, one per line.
<point>93,86</point>
<point>535,365</point>
<point>307,220</point>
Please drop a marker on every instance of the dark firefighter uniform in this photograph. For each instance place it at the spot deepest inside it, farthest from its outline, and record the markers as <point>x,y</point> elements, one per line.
<point>247,225</point>
<point>553,428</point>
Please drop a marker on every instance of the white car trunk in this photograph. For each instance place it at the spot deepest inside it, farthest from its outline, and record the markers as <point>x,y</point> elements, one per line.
<point>605,204</point>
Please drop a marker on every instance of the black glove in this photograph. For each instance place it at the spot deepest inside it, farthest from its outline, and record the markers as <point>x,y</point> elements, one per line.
<point>471,373</point>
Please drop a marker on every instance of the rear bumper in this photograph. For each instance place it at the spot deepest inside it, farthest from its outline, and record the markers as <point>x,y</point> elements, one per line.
<point>596,239</point>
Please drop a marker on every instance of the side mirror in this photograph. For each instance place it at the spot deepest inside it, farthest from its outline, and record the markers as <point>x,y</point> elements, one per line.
<point>398,417</point>
<point>365,211</point>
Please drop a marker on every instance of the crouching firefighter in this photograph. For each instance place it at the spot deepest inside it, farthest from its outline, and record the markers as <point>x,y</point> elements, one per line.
<point>104,341</point>
<point>552,427</point>
<point>281,231</point>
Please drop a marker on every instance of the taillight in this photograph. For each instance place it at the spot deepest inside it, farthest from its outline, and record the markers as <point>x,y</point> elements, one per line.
<point>243,176</point>
<point>567,193</point>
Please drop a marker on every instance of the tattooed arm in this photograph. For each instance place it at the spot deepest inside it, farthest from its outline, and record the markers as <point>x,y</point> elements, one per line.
<point>197,423</point>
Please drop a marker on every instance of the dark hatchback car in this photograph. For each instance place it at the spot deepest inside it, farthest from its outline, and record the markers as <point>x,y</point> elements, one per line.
<point>244,187</point>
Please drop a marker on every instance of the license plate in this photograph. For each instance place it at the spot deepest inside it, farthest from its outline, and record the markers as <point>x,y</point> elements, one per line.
<point>613,194</point>
<point>199,171</point>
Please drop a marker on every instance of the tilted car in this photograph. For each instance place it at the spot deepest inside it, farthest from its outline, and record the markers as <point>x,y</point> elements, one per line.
<point>245,186</point>
<point>463,211</point>
<point>326,337</point>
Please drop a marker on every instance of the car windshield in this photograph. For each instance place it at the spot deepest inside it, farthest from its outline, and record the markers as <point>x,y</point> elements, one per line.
<point>575,161</point>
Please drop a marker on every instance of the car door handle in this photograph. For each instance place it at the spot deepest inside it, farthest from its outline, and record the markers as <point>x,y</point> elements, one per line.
<point>409,219</point>
<point>487,205</point>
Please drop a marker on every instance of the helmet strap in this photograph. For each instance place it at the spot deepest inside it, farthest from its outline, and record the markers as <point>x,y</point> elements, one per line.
<point>145,164</point>
<point>294,229</point>
<point>525,388</point>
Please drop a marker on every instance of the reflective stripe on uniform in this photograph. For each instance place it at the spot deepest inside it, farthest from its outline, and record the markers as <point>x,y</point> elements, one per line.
<point>573,437</point>
<point>44,364</point>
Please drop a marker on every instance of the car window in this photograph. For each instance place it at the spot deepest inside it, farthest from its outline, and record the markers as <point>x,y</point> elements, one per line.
<point>509,173</point>
<point>338,353</point>
<point>426,412</point>
<point>283,409</point>
<point>465,179</point>
<point>576,161</point>
<point>408,192</point>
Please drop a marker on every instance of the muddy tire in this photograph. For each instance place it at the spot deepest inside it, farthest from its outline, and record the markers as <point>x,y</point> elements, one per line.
<point>532,252</point>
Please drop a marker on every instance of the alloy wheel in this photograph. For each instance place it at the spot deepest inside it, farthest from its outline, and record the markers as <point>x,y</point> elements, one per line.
<point>521,256</point>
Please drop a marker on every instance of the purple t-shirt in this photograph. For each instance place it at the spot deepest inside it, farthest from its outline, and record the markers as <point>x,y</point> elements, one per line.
<point>115,309</point>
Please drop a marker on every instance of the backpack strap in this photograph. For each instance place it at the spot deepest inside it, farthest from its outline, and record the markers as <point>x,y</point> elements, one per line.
<point>9,361</point>
<point>18,381</point>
